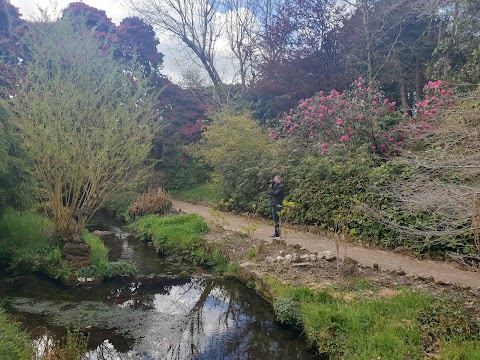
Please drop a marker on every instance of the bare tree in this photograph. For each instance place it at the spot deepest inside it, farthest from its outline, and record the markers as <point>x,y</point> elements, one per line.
<point>242,29</point>
<point>193,22</point>
<point>443,183</point>
<point>382,25</point>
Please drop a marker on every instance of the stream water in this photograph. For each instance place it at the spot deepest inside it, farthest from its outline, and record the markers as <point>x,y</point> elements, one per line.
<point>155,315</point>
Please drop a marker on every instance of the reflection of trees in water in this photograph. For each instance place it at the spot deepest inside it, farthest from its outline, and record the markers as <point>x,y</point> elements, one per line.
<point>172,319</point>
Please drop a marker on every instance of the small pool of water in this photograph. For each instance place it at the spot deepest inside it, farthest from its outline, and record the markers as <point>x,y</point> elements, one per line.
<point>155,315</point>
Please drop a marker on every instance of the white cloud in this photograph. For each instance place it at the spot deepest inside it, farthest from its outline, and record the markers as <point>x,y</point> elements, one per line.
<point>176,56</point>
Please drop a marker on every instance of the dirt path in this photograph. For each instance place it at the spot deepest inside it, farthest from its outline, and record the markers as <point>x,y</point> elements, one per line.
<point>440,272</point>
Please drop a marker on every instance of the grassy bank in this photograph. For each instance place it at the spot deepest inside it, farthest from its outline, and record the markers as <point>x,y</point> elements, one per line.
<point>358,321</point>
<point>181,235</point>
<point>26,246</point>
<point>15,344</point>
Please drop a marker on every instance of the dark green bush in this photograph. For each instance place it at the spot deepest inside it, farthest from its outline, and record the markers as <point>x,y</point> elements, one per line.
<point>288,311</point>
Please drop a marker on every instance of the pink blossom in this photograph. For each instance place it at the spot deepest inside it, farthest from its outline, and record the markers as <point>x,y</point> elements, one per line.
<point>394,103</point>
<point>385,101</point>
<point>405,114</point>
<point>339,122</point>
<point>345,138</point>
<point>374,102</point>
<point>311,134</point>
<point>373,147</point>
<point>324,145</point>
<point>324,150</point>
<point>360,78</point>
<point>390,139</point>
<point>399,143</point>
<point>359,84</point>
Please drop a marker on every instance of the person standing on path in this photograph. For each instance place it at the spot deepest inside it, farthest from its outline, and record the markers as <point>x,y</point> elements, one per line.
<point>278,193</point>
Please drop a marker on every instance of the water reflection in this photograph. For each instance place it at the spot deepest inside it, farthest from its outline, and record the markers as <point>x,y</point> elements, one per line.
<point>154,316</point>
<point>198,318</point>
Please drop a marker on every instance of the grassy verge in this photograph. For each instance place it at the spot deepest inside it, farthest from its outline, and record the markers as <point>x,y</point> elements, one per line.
<point>204,193</point>
<point>26,245</point>
<point>181,234</point>
<point>358,322</point>
<point>25,242</point>
<point>15,344</point>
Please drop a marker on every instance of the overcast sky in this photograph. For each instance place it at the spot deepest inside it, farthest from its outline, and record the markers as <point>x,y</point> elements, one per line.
<point>116,11</point>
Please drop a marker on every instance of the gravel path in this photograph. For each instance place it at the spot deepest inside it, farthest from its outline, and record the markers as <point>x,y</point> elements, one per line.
<point>441,272</point>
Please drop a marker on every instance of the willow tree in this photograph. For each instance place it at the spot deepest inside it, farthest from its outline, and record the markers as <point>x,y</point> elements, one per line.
<point>85,120</point>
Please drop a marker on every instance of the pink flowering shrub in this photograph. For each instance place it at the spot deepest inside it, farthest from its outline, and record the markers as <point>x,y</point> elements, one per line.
<point>359,115</point>
<point>363,115</point>
<point>438,100</point>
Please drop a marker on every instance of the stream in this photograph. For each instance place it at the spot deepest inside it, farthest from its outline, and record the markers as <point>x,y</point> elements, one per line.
<point>155,315</point>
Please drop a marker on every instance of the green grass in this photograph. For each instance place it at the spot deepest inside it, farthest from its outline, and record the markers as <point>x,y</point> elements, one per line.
<point>372,327</point>
<point>15,344</point>
<point>100,266</point>
<point>183,235</point>
<point>99,252</point>
<point>26,243</point>
<point>206,192</point>
<point>170,233</point>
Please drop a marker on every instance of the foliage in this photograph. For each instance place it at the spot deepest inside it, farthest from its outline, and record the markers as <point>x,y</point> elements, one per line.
<point>232,145</point>
<point>438,195</point>
<point>155,201</point>
<point>359,115</point>
<point>288,311</point>
<point>15,344</point>
<point>26,243</point>
<point>446,318</point>
<point>16,187</point>
<point>12,27</point>
<point>85,120</point>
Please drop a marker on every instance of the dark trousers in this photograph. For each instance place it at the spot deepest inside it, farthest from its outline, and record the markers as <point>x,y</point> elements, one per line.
<point>276,219</point>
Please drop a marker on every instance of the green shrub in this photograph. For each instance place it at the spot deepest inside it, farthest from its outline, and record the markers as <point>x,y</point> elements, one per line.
<point>288,311</point>
<point>16,185</point>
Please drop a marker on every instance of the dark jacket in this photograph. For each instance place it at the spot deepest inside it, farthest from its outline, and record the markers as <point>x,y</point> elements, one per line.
<point>278,193</point>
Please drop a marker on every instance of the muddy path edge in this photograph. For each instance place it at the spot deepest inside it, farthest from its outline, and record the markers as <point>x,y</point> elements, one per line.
<point>439,272</point>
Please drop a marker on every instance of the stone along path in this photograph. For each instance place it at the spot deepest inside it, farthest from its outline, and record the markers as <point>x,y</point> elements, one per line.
<point>441,272</point>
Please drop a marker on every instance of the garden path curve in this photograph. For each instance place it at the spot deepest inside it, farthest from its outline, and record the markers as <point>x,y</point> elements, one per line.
<point>441,272</point>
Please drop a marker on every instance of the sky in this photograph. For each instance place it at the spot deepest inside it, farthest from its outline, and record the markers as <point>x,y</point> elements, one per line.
<point>175,58</point>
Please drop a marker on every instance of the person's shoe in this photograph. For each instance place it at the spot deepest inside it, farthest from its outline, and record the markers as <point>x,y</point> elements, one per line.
<point>275,236</point>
